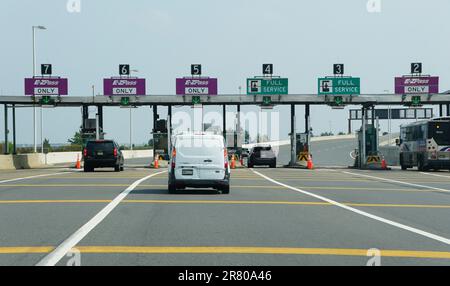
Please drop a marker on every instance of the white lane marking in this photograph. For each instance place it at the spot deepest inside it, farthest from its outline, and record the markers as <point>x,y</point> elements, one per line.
<point>59,252</point>
<point>363,213</point>
<point>399,182</point>
<point>436,175</point>
<point>36,176</point>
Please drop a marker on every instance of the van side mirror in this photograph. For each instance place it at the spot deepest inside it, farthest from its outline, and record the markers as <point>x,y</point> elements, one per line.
<point>397,142</point>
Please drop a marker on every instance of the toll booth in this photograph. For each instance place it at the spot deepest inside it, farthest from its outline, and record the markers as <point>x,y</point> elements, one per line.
<point>234,142</point>
<point>161,139</point>
<point>302,149</point>
<point>89,130</point>
<point>370,151</point>
<point>371,141</point>
<point>301,143</point>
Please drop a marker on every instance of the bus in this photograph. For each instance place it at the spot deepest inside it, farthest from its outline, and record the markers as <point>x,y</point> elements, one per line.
<point>425,144</point>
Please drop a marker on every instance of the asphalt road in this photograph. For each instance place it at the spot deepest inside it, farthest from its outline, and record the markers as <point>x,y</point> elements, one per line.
<point>271,217</point>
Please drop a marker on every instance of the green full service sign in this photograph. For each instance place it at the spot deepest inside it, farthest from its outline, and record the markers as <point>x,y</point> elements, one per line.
<point>339,85</point>
<point>267,86</point>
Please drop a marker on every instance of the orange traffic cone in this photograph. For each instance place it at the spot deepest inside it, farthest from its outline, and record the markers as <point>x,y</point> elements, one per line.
<point>233,162</point>
<point>156,164</point>
<point>78,163</point>
<point>383,164</point>
<point>309,164</point>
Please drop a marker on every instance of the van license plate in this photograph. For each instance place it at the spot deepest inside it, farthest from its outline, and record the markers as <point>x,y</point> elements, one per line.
<point>187,172</point>
<point>100,153</point>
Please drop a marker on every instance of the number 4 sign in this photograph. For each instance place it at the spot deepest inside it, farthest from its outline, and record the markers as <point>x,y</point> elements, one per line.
<point>267,68</point>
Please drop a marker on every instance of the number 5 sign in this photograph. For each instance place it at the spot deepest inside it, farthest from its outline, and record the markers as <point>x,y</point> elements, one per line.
<point>196,69</point>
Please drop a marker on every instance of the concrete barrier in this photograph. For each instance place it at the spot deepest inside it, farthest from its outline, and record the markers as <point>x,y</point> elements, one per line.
<point>30,161</point>
<point>313,139</point>
<point>22,161</point>
<point>391,155</point>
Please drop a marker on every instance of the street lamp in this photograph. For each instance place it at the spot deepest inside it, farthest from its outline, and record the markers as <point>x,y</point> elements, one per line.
<point>33,28</point>
<point>131,119</point>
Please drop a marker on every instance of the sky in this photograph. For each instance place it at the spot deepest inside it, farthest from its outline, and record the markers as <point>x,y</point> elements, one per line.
<point>231,39</point>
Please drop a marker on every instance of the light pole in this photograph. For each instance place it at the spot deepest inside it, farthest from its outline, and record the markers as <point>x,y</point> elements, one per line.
<point>131,119</point>
<point>33,28</point>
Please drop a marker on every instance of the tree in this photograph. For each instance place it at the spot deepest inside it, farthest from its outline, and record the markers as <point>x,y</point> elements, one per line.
<point>246,137</point>
<point>47,145</point>
<point>76,139</point>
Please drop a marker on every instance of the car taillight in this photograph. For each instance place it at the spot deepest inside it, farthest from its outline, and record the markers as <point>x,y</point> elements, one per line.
<point>85,152</point>
<point>115,152</point>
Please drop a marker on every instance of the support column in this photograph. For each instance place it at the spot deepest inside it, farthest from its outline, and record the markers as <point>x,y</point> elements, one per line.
<point>100,119</point>
<point>362,155</point>
<point>14,151</point>
<point>5,146</point>
<point>373,115</point>
<point>155,116</point>
<point>293,135</point>
<point>84,116</point>
<point>238,126</point>
<point>440,110</point>
<point>448,109</point>
<point>308,127</point>
<point>349,126</point>
<point>224,121</point>
<point>169,113</point>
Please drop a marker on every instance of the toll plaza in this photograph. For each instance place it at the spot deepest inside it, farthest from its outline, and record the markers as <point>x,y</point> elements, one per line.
<point>201,96</point>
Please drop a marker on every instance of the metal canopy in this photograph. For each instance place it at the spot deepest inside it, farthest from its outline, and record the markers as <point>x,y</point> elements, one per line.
<point>368,99</point>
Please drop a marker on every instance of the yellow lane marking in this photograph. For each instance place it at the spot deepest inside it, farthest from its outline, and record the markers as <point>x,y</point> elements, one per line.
<point>25,249</point>
<point>231,202</point>
<point>373,189</point>
<point>230,250</point>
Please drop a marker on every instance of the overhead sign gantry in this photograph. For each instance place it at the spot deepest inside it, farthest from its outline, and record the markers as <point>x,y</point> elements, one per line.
<point>339,85</point>
<point>416,84</point>
<point>46,85</point>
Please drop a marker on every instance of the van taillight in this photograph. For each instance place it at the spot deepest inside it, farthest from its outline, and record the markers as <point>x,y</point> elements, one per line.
<point>85,152</point>
<point>115,152</point>
<point>225,158</point>
<point>174,155</point>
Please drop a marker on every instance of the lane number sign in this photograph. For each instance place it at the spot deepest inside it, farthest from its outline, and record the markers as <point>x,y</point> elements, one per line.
<point>267,69</point>
<point>196,69</point>
<point>124,69</point>
<point>338,69</point>
<point>416,68</point>
<point>46,69</point>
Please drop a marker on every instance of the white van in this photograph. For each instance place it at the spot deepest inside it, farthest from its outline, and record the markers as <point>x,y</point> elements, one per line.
<point>199,160</point>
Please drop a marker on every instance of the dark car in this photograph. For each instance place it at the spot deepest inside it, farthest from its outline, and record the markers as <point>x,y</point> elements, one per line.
<point>262,155</point>
<point>102,154</point>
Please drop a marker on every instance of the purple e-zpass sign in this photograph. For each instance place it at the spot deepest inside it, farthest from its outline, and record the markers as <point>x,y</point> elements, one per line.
<point>124,86</point>
<point>416,85</point>
<point>196,86</point>
<point>46,86</point>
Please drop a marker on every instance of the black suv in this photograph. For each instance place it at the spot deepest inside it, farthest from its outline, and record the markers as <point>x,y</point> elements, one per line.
<point>102,153</point>
<point>262,155</point>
